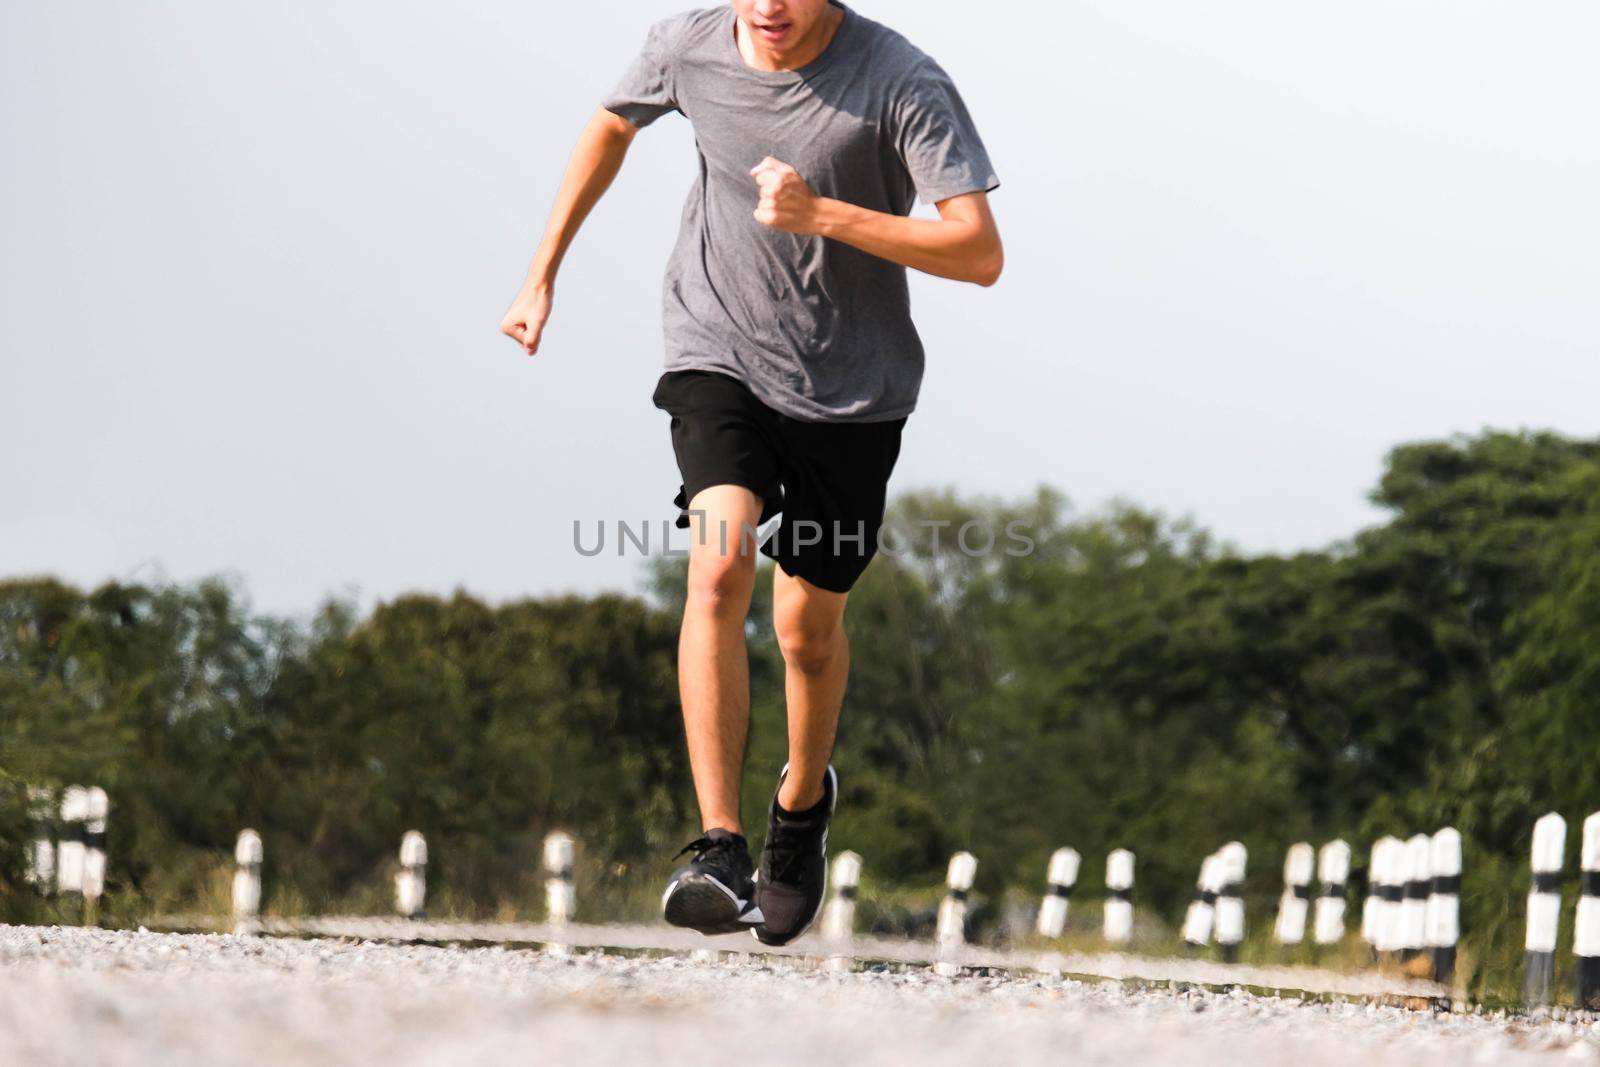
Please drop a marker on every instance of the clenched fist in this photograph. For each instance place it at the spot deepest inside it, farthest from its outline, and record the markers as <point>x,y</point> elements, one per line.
<point>786,201</point>
<point>524,322</point>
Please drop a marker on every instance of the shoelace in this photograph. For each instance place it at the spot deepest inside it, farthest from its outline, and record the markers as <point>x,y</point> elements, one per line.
<point>704,846</point>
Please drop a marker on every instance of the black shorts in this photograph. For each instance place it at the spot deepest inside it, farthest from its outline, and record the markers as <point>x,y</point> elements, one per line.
<point>829,480</point>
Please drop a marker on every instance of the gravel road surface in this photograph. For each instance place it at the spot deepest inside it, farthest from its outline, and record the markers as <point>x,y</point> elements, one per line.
<point>108,998</point>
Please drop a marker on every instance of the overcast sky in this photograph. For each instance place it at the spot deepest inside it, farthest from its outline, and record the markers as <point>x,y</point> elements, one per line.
<point>253,258</point>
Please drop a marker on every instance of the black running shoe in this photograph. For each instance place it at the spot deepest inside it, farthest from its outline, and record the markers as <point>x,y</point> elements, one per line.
<point>713,893</point>
<point>794,866</point>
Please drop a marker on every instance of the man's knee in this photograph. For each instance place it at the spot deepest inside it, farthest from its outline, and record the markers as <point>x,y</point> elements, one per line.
<point>720,585</point>
<point>807,646</point>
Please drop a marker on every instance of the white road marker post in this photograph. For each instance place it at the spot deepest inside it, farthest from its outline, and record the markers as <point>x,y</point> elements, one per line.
<point>411,881</point>
<point>1388,889</point>
<point>1299,864</point>
<point>560,899</point>
<point>1414,896</point>
<point>1544,908</point>
<point>951,932</point>
<point>247,857</point>
<point>1060,879</point>
<point>1200,917</point>
<point>1119,897</point>
<point>1230,904</point>
<point>42,813</point>
<point>839,914</point>
<point>69,851</point>
<point>1586,934</point>
<point>1444,903</point>
<point>1398,872</point>
<point>97,812</point>
<point>1333,871</point>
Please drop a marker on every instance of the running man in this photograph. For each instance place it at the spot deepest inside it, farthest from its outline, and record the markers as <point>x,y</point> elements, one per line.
<point>791,367</point>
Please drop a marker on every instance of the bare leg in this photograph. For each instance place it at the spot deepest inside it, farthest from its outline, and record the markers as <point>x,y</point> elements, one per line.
<point>713,664</point>
<point>816,654</point>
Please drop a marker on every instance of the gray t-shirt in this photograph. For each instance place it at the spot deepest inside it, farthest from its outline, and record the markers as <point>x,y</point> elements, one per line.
<point>818,330</point>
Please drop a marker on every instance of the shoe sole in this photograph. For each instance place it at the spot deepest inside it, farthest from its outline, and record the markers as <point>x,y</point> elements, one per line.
<point>700,903</point>
<point>822,900</point>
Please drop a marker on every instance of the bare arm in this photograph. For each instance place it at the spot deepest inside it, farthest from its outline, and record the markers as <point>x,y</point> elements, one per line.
<point>963,243</point>
<point>595,161</point>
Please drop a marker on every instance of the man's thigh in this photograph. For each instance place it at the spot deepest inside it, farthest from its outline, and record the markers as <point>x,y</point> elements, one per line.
<point>722,524</point>
<point>800,607</point>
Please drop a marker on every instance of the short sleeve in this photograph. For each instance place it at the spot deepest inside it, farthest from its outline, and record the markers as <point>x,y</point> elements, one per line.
<point>647,90</point>
<point>937,139</point>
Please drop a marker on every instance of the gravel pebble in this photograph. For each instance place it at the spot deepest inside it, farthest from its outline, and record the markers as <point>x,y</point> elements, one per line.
<point>110,998</point>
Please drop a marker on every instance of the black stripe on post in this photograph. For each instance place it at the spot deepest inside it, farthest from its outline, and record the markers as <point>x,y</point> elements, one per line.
<point>958,894</point>
<point>1333,889</point>
<point>1547,882</point>
<point>1589,883</point>
<point>1447,884</point>
<point>1392,894</point>
<point>1207,897</point>
<point>847,892</point>
<point>1119,894</point>
<point>1416,891</point>
<point>1303,892</point>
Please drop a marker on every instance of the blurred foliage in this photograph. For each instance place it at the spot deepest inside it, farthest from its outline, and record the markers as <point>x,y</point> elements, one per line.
<point>1128,682</point>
